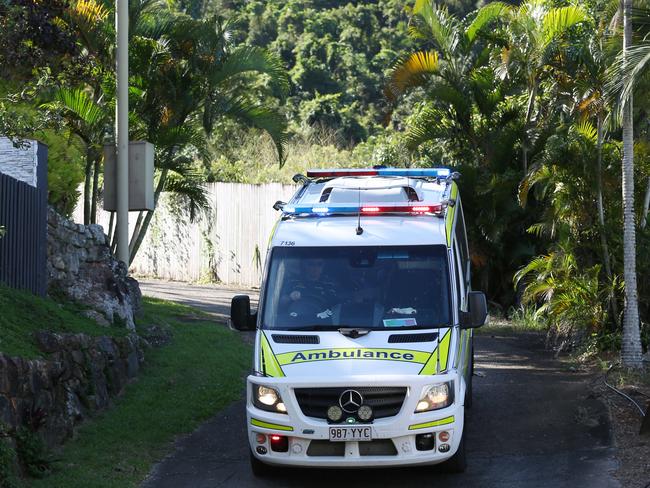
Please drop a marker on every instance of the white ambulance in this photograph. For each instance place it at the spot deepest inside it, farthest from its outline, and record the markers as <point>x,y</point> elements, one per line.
<point>363,350</point>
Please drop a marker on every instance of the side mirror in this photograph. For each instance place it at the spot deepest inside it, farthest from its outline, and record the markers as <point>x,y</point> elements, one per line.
<point>240,313</point>
<point>476,314</point>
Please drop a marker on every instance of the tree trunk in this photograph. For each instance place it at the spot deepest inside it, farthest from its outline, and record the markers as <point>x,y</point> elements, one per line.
<point>88,186</point>
<point>631,352</point>
<point>136,240</point>
<point>601,217</point>
<point>529,115</point>
<point>646,206</point>
<point>95,193</point>
<point>136,229</point>
<point>111,223</point>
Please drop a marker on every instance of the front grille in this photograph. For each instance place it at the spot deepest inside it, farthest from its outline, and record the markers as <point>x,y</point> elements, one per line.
<point>385,401</point>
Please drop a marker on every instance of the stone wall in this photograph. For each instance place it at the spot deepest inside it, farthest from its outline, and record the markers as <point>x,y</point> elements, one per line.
<point>81,268</point>
<point>19,162</point>
<point>79,375</point>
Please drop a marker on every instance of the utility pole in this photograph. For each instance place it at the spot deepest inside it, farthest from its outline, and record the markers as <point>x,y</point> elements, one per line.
<point>122,129</point>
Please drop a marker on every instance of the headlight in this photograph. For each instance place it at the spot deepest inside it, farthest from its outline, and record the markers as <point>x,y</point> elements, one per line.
<point>436,396</point>
<point>267,398</point>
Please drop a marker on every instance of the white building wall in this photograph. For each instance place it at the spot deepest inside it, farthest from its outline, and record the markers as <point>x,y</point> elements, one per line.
<point>20,163</point>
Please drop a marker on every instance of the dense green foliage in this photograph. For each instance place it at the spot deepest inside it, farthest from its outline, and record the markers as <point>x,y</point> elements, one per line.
<point>516,99</point>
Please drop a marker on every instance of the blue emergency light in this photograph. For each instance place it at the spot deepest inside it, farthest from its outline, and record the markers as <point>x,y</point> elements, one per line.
<point>405,172</point>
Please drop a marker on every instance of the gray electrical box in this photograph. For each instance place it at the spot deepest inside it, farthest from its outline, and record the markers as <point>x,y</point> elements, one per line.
<point>140,176</point>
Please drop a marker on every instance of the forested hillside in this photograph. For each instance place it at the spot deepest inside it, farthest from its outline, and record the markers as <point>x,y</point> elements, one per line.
<point>337,54</point>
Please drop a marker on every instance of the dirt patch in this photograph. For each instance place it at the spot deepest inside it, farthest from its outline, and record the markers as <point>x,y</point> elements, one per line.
<point>633,450</point>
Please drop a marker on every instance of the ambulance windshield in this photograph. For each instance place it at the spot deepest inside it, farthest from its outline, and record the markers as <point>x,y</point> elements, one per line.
<point>376,287</point>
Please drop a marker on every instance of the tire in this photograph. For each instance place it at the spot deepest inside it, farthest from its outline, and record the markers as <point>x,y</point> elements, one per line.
<point>469,392</point>
<point>458,462</point>
<point>260,469</point>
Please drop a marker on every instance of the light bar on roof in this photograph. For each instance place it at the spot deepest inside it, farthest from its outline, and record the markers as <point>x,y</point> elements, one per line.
<point>412,172</point>
<point>321,210</point>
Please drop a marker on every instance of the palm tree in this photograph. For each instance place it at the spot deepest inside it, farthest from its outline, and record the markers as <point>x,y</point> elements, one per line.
<point>585,77</point>
<point>631,352</point>
<point>186,75</point>
<point>190,76</point>
<point>87,119</point>
<point>534,31</point>
<point>456,79</point>
<point>86,109</point>
<point>467,115</point>
<point>624,81</point>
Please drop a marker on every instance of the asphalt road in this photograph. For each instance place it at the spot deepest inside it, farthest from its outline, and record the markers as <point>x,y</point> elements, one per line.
<point>533,424</point>
<point>213,299</point>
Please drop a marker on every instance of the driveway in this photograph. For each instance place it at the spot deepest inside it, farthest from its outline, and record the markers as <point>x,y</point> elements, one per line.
<point>213,299</point>
<point>533,424</point>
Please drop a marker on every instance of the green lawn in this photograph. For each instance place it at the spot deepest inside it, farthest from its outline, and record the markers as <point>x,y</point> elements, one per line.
<point>21,314</point>
<point>181,384</point>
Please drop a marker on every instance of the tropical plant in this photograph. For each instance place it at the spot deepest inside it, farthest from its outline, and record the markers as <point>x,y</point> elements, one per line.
<point>89,119</point>
<point>569,296</point>
<point>191,78</point>
<point>468,119</point>
<point>535,31</point>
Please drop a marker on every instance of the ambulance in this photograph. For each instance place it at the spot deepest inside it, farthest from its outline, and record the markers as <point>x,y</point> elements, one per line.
<point>363,351</point>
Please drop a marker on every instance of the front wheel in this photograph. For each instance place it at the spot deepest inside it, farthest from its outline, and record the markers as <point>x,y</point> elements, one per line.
<point>458,462</point>
<point>260,469</point>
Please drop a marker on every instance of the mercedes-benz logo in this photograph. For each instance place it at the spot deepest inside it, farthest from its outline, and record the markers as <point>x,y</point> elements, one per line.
<point>350,401</point>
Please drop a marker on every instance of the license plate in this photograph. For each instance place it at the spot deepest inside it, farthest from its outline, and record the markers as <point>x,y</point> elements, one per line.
<point>342,434</point>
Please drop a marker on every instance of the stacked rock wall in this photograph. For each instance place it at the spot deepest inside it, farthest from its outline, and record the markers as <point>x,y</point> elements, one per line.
<point>81,268</point>
<point>79,375</point>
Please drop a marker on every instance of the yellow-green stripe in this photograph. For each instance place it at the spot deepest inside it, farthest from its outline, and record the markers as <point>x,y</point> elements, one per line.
<point>431,365</point>
<point>449,218</point>
<point>435,423</point>
<point>268,425</point>
<point>268,361</point>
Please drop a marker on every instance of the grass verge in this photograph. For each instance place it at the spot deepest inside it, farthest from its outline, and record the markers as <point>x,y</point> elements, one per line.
<point>22,314</point>
<point>181,385</point>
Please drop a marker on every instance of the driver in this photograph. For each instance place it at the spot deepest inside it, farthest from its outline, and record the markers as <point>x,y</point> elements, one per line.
<point>312,285</point>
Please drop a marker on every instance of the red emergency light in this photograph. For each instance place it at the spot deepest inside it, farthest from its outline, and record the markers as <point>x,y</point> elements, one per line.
<point>401,209</point>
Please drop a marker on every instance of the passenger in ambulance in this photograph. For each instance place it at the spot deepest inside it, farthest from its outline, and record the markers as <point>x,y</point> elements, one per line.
<point>310,294</point>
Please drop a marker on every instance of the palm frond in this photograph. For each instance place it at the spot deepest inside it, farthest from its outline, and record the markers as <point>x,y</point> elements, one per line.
<point>190,187</point>
<point>587,130</point>
<point>252,59</point>
<point>89,11</point>
<point>435,24</point>
<point>484,17</point>
<point>429,124</point>
<point>558,21</point>
<point>625,73</point>
<point>78,103</point>
<point>267,119</point>
<point>412,71</point>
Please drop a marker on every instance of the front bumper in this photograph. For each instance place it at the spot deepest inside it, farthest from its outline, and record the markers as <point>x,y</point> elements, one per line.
<point>401,429</point>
